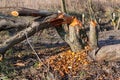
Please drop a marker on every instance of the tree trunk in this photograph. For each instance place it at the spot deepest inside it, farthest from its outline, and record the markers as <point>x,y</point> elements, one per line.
<point>35,27</point>
<point>73,35</point>
<point>70,35</point>
<point>108,53</point>
<point>93,35</point>
<point>18,23</point>
<point>93,39</point>
<point>73,39</point>
<point>34,13</point>
<point>63,6</point>
<point>118,24</point>
<point>20,36</point>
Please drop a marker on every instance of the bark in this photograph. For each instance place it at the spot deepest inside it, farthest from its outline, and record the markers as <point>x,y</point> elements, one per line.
<point>118,24</point>
<point>63,6</point>
<point>22,11</point>
<point>6,24</point>
<point>73,35</point>
<point>93,39</point>
<point>108,53</point>
<point>35,27</point>
<point>35,13</point>
<point>93,35</point>
<point>20,36</point>
<point>71,38</point>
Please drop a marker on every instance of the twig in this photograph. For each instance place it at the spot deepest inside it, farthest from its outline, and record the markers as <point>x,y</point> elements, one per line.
<point>118,24</point>
<point>34,50</point>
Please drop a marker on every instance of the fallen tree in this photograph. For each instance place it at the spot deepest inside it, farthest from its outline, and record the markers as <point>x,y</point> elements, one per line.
<point>53,20</point>
<point>69,28</point>
<point>18,23</point>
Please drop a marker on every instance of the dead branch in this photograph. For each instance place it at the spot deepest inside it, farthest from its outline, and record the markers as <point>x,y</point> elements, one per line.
<point>29,12</point>
<point>7,23</point>
<point>33,28</point>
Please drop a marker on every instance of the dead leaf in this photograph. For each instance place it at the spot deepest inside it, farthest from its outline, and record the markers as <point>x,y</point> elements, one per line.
<point>20,64</point>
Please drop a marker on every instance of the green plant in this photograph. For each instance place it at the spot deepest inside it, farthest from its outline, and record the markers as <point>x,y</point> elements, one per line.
<point>6,68</point>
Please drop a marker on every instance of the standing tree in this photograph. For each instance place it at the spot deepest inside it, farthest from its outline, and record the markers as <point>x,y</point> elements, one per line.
<point>63,6</point>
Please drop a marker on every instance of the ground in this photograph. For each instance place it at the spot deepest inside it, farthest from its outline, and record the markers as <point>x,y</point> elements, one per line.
<point>58,61</point>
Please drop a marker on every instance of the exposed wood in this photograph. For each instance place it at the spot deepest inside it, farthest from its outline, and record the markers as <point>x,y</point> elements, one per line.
<point>72,35</point>
<point>73,40</point>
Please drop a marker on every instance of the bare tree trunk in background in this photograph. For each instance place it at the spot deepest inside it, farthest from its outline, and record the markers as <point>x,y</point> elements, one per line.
<point>63,6</point>
<point>118,24</point>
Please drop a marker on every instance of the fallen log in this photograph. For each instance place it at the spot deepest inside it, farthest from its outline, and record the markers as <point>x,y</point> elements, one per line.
<point>22,11</point>
<point>71,35</point>
<point>35,27</point>
<point>19,23</point>
<point>34,13</point>
<point>32,29</point>
<point>108,53</point>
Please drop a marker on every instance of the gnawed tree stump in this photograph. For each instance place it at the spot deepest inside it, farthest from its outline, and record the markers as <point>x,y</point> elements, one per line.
<point>93,35</point>
<point>72,35</point>
<point>69,28</point>
<point>56,20</point>
<point>105,53</point>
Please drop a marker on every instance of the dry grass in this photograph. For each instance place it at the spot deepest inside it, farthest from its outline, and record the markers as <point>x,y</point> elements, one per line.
<point>72,5</point>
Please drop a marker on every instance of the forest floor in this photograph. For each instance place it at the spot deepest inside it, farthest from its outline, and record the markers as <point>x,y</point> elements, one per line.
<point>58,61</point>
